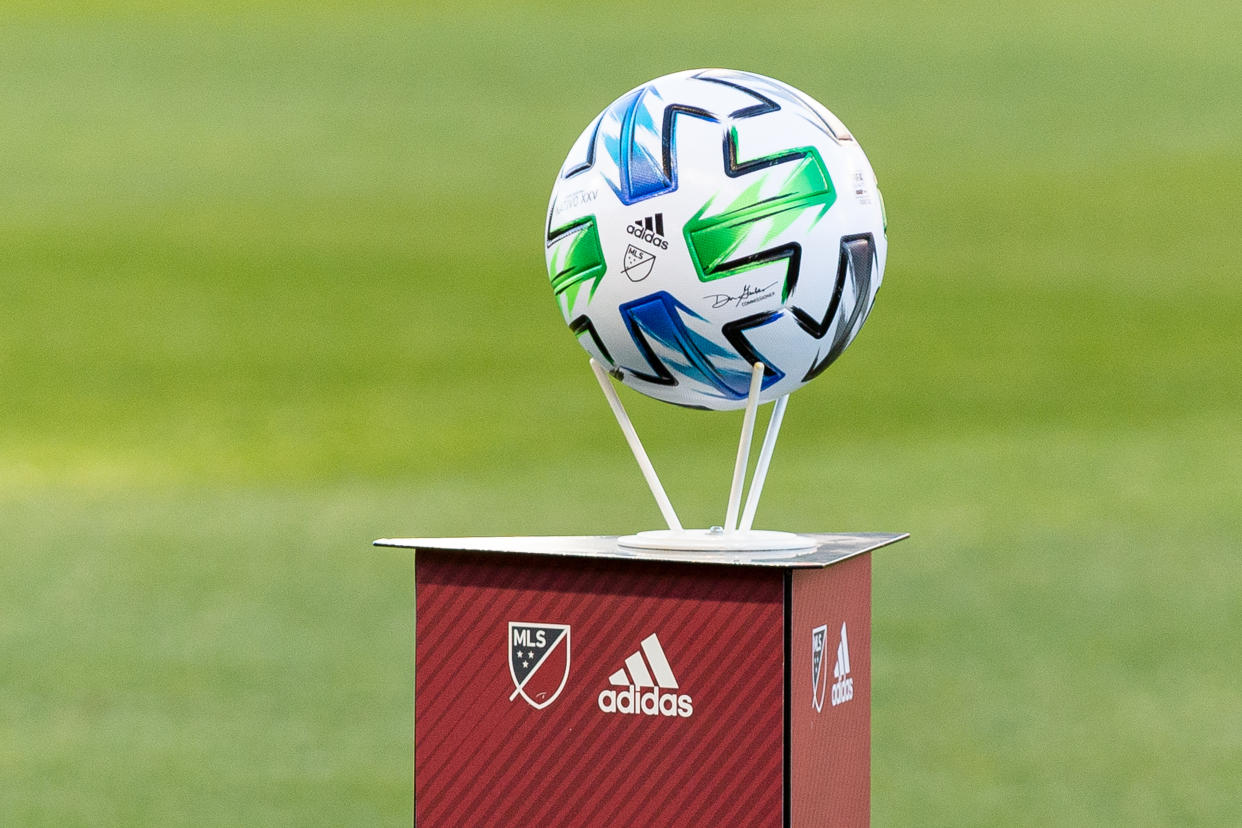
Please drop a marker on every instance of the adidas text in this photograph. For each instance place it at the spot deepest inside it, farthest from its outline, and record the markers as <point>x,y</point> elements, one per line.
<point>650,229</point>
<point>647,702</point>
<point>648,236</point>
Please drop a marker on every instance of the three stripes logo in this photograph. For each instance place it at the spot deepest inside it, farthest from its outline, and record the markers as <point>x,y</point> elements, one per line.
<point>843,686</point>
<point>650,229</point>
<point>646,680</point>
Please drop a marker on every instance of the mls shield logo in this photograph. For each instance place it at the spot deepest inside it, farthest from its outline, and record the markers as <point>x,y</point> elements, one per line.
<point>818,688</point>
<point>538,663</point>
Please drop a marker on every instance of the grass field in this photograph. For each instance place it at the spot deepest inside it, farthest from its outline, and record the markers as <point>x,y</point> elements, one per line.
<point>271,286</point>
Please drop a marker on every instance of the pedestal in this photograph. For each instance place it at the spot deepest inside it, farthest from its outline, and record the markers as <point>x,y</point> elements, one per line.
<point>571,681</point>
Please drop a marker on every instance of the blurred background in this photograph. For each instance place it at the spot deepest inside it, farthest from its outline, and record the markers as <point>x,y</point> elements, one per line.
<point>272,286</point>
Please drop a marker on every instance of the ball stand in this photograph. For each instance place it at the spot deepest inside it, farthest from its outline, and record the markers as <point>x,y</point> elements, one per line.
<point>676,677</point>
<point>734,536</point>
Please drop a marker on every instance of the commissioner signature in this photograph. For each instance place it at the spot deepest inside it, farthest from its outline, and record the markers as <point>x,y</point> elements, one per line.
<point>748,296</point>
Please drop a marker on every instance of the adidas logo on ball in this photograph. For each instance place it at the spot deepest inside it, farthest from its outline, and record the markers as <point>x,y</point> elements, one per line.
<point>650,230</point>
<point>646,690</point>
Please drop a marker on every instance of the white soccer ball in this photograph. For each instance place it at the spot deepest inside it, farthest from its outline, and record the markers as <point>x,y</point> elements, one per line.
<point>709,220</point>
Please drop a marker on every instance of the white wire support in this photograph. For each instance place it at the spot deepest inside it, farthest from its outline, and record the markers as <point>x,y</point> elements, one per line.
<point>636,446</point>
<point>761,466</point>
<point>743,448</point>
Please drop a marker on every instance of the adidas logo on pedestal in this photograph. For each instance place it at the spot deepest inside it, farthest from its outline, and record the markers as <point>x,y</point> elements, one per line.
<point>646,689</point>
<point>843,687</point>
<point>650,230</point>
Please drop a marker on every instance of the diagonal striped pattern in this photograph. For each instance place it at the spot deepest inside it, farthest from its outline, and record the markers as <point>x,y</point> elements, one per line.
<point>480,760</point>
<point>830,746</point>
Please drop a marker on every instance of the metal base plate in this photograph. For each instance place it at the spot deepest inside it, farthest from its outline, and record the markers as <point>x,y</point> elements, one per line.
<point>824,549</point>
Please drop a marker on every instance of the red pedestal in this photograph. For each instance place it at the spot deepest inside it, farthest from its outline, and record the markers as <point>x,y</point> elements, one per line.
<point>567,681</point>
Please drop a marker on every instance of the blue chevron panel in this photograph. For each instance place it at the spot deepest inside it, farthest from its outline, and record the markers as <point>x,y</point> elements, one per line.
<point>660,317</point>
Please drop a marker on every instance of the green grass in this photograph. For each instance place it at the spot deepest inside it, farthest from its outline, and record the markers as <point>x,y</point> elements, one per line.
<point>271,285</point>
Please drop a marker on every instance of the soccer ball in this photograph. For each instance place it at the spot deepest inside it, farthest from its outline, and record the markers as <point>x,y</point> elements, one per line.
<point>709,220</point>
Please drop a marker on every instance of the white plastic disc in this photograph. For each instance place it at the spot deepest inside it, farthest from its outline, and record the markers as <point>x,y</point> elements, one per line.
<point>717,540</point>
